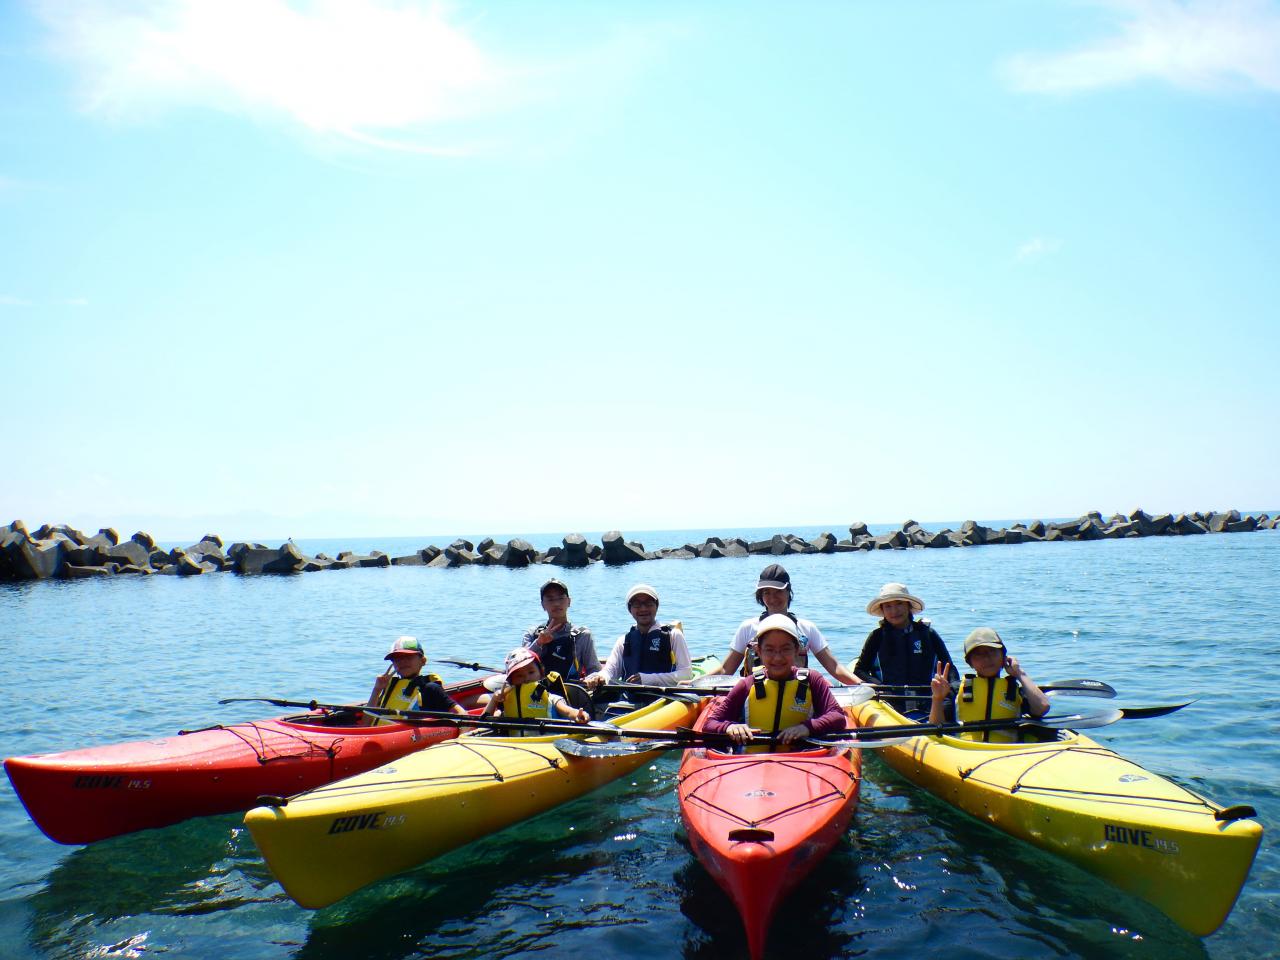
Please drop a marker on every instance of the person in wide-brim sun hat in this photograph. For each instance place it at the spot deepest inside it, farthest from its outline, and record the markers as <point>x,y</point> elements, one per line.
<point>891,592</point>
<point>902,650</point>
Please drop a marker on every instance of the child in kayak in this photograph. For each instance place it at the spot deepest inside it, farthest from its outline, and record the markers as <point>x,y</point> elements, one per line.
<point>762,702</point>
<point>982,694</point>
<point>408,688</point>
<point>528,695</point>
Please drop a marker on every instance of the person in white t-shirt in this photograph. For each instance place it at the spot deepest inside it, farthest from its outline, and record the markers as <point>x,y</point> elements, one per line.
<point>773,592</point>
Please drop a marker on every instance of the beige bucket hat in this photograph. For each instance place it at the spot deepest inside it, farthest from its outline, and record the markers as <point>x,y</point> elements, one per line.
<point>894,591</point>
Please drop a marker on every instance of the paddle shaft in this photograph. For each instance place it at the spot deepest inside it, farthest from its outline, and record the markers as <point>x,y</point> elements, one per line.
<point>852,736</point>
<point>422,716</point>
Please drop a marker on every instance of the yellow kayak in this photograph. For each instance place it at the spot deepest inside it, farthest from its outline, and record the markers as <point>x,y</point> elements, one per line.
<point>1077,799</point>
<point>328,842</point>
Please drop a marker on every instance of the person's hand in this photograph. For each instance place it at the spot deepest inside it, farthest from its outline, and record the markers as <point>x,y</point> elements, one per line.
<point>593,680</point>
<point>380,683</point>
<point>582,716</point>
<point>740,732</point>
<point>791,734</point>
<point>634,678</point>
<point>1013,668</point>
<point>939,685</point>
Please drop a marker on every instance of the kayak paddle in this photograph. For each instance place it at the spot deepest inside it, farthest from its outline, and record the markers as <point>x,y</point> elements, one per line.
<point>1075,688</point>
<point>683,738</point>
<point>461,719</point>
<point>468,665</point>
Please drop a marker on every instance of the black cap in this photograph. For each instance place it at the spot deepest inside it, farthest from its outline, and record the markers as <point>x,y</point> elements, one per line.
<point>775,577</point>
<point>553,582</point>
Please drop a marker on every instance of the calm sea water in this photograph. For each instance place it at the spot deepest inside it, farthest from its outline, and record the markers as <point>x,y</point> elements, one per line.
<point>610,876</point>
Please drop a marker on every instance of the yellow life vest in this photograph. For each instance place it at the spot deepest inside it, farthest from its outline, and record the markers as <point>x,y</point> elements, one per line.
<point>774,705</point>
<point>981,698</point>
<point>400,693</point>
<point>532,701</point>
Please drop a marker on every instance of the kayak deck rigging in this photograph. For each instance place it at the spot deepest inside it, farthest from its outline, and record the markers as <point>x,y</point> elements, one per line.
<point>737,765</point>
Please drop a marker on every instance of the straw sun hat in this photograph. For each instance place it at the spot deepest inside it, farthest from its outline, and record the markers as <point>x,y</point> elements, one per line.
<point>894,591</point>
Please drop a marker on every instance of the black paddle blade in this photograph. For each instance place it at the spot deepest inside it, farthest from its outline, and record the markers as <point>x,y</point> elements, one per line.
<point>1154,710</point>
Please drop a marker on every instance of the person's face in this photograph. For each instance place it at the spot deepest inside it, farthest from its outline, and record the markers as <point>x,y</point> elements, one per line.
<point>896,612</point>
<point>778,653</point>
<point>774,600</point>
<point>529,673</point>
<point>556,603</point>
<point>986,661</point>
<point>408,664</point>
<point>644,609</point>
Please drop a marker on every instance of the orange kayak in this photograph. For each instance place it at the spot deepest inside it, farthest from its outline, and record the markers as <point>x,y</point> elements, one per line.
<point>80,796</point>
<point>759,822</point>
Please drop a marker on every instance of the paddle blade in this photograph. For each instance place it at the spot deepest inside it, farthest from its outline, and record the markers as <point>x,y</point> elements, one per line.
<point>717,682</point>
<point>1079,720</point>
<point>1154,710</point>
<point>852,696</point>
<point>1081,688</point>
<point>614,748</point>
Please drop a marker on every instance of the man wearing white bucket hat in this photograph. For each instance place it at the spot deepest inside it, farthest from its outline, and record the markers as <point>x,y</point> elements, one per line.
<point>903,650</point>
<point>650,652</point>
<point>774,594</point>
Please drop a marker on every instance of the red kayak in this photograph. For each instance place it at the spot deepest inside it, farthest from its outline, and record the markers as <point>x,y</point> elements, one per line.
<point>80,796</point>
<point>759,822</point>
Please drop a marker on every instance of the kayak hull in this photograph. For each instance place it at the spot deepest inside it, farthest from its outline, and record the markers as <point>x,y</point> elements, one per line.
<point>329,842</point>
<point>82,796</point>
<point>1083,802</point>
<point>760,822</point>
<point>90,794</point>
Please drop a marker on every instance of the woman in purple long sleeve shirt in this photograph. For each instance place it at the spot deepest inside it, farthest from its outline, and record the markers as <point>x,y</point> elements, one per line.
<point>780,699</point>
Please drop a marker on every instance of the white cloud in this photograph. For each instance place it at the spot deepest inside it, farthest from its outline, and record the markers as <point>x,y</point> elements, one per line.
<point>334,66</point>
<point>1037,247</point>
<point>1195,44</point>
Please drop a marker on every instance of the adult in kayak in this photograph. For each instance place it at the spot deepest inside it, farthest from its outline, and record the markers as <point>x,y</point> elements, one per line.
<point>774,594</point>
<point>531,694</point>
<point>982,694</point>
<point>902,650</point>
<point>408,688</point>
<point>561,647</point>
<point>778,698</point>
<point>650,652</point>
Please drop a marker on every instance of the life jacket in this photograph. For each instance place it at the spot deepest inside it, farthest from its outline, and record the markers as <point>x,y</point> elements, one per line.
<point>981,698</point>
<point>560,655</point>
<point>532,701</point>
<point>752,660</point>
<point>649,652</point>
<point>402,693</point>
<point>771,706</point>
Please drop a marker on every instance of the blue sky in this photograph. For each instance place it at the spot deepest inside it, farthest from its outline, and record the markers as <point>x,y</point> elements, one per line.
<point>330,269</point>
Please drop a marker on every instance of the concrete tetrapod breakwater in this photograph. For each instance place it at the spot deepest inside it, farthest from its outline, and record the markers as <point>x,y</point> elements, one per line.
<point>62,552</point>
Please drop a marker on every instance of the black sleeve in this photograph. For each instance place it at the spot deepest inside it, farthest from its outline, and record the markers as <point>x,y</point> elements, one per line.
<point>434,697</point>
<point>865,668</point>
